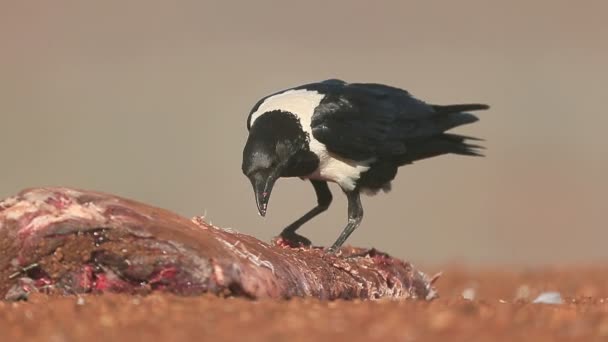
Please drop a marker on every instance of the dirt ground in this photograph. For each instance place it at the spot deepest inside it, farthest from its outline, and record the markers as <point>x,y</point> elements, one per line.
<point>501,310</point>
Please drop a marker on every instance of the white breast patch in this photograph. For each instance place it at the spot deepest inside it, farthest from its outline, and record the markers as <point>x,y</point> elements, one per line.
<point>302,103</point>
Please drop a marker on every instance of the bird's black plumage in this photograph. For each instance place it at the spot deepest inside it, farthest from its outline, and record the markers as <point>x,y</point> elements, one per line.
<point>353,134</point>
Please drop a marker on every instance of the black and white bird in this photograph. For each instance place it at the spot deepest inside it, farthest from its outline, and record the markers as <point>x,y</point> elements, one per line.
<point>354,134</point>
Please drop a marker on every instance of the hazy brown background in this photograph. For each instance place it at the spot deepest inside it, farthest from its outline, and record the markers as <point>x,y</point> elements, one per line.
<point>149,99</point>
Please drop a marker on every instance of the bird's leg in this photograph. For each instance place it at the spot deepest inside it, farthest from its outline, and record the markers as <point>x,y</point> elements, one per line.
<point>288,235</point>
<point>355,215</point>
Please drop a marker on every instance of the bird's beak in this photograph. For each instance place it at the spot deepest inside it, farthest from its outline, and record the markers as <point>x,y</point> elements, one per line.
<point>262,187</point>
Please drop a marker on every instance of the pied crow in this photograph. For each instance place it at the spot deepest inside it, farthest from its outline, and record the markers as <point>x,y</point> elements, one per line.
<point>354,134</point>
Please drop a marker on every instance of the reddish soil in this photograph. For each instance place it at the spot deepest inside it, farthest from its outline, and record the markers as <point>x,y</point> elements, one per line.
<point>501,311</point>
<point>68,252</point>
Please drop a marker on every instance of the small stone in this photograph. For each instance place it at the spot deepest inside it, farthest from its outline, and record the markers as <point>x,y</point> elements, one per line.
<point>468,293</point>
<point>549,298</point>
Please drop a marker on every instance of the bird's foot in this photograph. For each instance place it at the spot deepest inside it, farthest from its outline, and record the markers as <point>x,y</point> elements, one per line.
<point>291,240</point>
<point>369,252</point>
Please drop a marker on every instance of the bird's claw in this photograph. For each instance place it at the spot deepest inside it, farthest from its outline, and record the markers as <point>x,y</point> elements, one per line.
<point>370,252</point>
<point>292,240</point>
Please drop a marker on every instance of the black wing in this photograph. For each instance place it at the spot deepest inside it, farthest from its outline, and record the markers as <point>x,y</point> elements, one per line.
<point>360,121</point>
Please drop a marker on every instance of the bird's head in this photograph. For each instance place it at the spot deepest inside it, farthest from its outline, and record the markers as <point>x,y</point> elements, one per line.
<point>274,139</point>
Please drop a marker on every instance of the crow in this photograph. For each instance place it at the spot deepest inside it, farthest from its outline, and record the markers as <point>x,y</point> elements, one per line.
<point>354,134</point>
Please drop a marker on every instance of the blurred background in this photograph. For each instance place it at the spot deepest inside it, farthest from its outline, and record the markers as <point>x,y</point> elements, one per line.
<point>148,100</point>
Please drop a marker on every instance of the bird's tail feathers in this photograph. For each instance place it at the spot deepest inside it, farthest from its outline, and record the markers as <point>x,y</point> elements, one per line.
<point>457,108</point>
<point>447,122</point>
<point>449,117</point>
<point>459,145</point>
